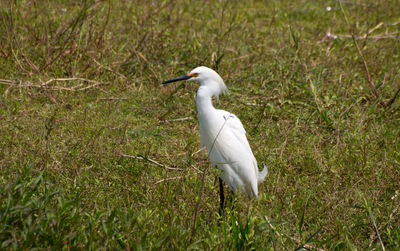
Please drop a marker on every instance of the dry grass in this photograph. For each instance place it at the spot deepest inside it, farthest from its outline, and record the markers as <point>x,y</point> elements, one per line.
<point>94,153</point>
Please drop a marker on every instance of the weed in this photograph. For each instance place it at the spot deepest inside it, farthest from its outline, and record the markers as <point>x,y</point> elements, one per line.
<point>95,154</point>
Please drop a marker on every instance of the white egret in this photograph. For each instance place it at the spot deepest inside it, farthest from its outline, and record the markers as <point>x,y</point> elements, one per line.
<point>224,137</point>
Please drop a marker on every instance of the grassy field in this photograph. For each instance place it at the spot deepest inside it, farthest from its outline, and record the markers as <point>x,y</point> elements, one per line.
<point>96,154</point>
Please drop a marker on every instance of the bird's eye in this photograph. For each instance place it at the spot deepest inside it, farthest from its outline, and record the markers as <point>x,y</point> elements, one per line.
<point>194,74</point>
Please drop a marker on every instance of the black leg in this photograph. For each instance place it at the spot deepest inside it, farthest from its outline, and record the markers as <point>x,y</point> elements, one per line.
<point>221,197</point>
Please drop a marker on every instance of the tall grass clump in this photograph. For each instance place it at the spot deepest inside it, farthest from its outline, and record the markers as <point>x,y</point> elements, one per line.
<point>95,154</point>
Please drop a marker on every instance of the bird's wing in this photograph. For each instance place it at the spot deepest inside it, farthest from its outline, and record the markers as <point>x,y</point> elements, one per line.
<point>233,150</point>
<point>236,127</point>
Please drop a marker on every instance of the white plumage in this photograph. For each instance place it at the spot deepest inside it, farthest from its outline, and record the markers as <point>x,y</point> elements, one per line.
<point>224,136</point>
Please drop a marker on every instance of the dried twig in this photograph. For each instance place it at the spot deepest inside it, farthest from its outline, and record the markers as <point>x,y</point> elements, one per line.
<point>68,79</point>
<point>7,82</point>
<point>371,84</point>
<point>46,84</point>
<point>307,246</point>
<point>376,230</point>
<point>196,152</point>
<point>90,86</point>
<point>195,168</point>
<point>373,236</point>
<point>392,35</point>
<point>109,69</point>
<point>176,120</point>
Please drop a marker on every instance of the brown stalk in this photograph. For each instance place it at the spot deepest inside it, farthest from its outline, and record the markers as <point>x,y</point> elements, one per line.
<point>368,76</point>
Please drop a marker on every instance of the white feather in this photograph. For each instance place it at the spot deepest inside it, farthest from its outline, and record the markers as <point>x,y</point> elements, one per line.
<point>224,136</point>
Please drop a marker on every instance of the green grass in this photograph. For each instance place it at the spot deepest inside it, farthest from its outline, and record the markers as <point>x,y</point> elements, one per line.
<point>330,136</point>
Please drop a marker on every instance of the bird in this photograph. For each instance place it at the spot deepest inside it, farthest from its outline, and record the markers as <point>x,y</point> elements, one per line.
<point>224,137</point>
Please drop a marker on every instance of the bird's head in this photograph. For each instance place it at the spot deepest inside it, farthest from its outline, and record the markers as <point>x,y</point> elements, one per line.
<point>206,77</point>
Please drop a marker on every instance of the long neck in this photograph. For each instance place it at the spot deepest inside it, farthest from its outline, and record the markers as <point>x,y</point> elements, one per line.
<point>203,100</point>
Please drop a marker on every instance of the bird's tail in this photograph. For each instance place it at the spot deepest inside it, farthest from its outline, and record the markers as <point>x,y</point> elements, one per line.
<point>262,174</point>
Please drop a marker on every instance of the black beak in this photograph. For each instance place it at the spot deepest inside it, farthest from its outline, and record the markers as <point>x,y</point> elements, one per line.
<point>184,77</point>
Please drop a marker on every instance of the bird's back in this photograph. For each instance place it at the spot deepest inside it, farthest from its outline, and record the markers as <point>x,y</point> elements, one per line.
<point>228,149</point>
